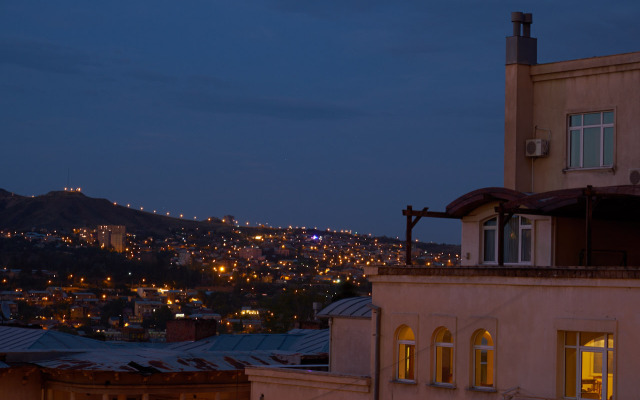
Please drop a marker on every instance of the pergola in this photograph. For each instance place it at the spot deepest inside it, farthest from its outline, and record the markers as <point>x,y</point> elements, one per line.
<point>613,203</point>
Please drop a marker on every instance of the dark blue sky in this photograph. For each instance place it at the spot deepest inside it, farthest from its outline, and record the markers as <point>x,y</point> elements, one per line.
<point>333,113</point>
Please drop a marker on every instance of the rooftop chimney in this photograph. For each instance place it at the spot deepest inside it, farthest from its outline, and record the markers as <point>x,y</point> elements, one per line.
<point>521,47</point>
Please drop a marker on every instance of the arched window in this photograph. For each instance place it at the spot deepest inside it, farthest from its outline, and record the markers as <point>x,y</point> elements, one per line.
<point>483,360</point>
<point>443,357</point>
<point>406,354</point>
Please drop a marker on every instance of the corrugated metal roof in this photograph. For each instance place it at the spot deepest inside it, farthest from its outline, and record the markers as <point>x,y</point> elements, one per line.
<point>352,307</point>
<point>300,340</point>
<point>156,361</point>
<point>218,353</point>
<point>14,339</point>
<point>313,341</point>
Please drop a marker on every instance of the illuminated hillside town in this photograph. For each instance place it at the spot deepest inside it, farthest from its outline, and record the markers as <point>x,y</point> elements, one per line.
<point>538,302</point>
<point>204,271</point>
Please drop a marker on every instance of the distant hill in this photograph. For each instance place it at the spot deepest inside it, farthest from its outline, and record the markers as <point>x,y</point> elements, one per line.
<point>61,210</point>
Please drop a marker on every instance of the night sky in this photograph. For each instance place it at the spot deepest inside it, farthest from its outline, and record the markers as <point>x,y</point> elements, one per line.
<point>330,114</point>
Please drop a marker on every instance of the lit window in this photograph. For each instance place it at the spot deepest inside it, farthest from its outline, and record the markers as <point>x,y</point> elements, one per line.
<point>591,140</point>
<point>483,360</point>
<point>444,357</point>
<point>517,240</point>
<point>406,354</point>
<point>588,359</point>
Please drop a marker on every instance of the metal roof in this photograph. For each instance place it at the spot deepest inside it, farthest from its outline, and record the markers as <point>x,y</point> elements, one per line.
<point>312,341</point>
<point>352,307</point>
<point>218,353</point>
<point>14,339</point>
<point>156,361</point>
<point>299,340</point>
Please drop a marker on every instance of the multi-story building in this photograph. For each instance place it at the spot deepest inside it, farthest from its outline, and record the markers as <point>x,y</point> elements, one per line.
<point>112,237</point>
<point>543,305</point>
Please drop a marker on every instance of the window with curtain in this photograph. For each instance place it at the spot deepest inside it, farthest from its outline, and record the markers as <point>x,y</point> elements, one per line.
<point>406,343</point>
<point>483,360</point>
<point>517,240</point>
<point>443,368</point>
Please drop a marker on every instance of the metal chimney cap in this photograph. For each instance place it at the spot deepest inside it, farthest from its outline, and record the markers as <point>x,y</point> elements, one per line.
<point>517,16</point>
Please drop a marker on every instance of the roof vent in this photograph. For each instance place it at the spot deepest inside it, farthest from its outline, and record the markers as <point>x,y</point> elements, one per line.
<point>634,176</point>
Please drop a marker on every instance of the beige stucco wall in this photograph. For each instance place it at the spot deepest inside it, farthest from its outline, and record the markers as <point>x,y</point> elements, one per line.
<point>524,316</point>
<point>350,346</point>
<point>20,383</point>
<point>544,95</point>
<point>288,384</point>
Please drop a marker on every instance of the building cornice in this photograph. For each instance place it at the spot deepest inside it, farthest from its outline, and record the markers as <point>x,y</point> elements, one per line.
<point>586,67</point>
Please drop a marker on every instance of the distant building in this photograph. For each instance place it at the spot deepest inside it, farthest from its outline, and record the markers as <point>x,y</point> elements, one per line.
<point>250,253</point>
<point>184,257</point>
<point>144,307</point>
<point>112,237</point>
<point>186,329</point>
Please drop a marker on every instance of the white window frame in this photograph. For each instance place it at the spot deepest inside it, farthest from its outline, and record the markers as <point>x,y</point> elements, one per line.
<point>399,357</point>
<point>521,227</point>
<point>580,129</point>
<point>436,345</point>
<point>578,372</point>
<point>493,361</point>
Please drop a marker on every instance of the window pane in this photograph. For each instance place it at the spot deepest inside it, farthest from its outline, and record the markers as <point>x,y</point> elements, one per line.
<point>570,372</point>
<point>406,334</point>
<point>610,375</point>
<point>483,339</point>
<point>591,375</point>
<point>591,151</point>
<point>574,157</point>
<point>575,120</point>
<point>608,147</point>
<point>525,245</point>
<point>592,119</point>
<point>608,117</point>
<point>592,339</point>
<point>511,240</point>
<point>525,221</point>
<point>490,245</point>
<point>444,364</point>
<point>483,368</point>
<point>406,361</point>
<point>491,222</point>
<point>444,336</point>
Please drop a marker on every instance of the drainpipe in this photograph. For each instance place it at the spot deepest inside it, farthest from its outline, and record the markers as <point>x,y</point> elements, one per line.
<point>376,353</point>
<point>330,342</point>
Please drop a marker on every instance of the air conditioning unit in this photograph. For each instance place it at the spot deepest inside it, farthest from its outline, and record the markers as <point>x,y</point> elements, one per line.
<point>537,148</point>
<point>634,176</point>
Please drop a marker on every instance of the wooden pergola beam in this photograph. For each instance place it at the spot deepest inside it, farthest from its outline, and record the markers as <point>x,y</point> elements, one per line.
<point>411,222</point>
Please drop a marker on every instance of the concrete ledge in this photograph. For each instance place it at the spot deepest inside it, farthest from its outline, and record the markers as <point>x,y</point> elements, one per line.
<point>586,66</point>
<point>309,379</point>
<point>516,272</point>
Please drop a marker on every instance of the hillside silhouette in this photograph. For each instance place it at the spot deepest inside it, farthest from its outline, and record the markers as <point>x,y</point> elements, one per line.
<point>63,211</point>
